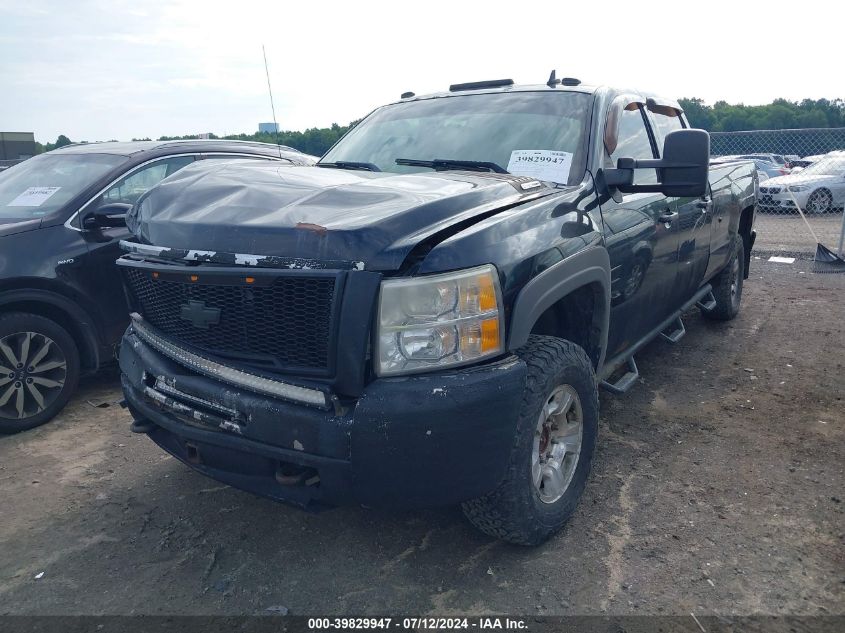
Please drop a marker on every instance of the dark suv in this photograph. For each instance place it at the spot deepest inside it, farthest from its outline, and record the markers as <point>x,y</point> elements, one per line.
<point>62,308</point>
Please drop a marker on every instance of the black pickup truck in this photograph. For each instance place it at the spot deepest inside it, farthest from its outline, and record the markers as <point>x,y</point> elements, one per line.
<point>426,315</point>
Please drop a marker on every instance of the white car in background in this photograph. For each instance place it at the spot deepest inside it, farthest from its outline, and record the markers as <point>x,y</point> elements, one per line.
<point>819,188</point>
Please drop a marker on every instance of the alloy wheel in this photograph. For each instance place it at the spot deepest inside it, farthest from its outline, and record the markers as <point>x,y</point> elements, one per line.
<point>819,202</point>
<point>32,374</point>
<point>557,443</point>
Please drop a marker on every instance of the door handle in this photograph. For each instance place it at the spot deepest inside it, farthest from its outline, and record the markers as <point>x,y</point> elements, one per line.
<point>668,216</point>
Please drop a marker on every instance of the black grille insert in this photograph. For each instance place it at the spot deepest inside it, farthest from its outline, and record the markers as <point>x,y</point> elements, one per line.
<point>287,323</point>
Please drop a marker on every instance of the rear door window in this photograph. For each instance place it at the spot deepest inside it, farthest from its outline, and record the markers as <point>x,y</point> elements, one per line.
<point>664,122</point>
<point>129,188</point>
<point>635,142</point>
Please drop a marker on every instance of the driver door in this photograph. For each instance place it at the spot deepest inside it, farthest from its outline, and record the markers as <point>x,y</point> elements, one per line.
<point>641,237</point>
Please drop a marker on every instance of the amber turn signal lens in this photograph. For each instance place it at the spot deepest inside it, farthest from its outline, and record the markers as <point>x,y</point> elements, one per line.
<point>155,275</point>
<point>486,294</point>
<point>250,280</point>
<point>194,277</point>
<point>490,334</point>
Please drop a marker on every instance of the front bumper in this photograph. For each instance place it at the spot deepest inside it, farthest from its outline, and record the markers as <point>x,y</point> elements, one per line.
<point>413,441</point>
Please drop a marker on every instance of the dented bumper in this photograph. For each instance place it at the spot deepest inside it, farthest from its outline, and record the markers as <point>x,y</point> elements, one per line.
<point>414,441</point>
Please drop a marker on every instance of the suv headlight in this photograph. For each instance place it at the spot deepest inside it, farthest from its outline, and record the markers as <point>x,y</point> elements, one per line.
<point>438,321</point>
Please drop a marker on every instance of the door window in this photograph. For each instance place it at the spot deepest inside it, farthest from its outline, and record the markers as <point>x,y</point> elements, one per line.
<point>665,123</point>
<point>635,142</point>
<point>129,188</point>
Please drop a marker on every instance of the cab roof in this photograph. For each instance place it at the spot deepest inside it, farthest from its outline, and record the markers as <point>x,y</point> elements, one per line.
<point>581,88</point>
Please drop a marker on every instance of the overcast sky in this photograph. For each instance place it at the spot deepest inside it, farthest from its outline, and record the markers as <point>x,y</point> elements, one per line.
<point>103,69</point>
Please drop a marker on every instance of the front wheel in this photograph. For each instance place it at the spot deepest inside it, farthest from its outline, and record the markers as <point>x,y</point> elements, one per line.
<point>39,370</point>
<point>553,448</point>
<point>820,201</point>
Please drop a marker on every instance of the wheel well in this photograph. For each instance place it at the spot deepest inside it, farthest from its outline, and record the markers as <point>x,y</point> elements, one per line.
<point>87,353</point>
<point>577,318</point>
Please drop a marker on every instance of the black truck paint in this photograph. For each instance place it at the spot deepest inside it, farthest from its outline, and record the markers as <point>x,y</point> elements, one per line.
<point>580,266</point>
<point>59,264</point>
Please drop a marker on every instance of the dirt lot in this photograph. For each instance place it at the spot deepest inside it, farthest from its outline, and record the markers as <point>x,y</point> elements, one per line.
<point>718,489</point>
<point>787,233</point>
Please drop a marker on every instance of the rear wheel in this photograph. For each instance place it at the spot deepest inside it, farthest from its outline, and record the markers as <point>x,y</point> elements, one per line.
<point>39,370</point>
<point>553,448</point>
<point>820,201</point>
<point>727,285</point>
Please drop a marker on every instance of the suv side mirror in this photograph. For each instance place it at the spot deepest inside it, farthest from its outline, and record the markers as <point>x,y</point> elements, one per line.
<point>111,214</point>
<point>682,172</point>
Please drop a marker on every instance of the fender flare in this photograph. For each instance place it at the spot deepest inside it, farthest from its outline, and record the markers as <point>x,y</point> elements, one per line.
<point>82,321</point>
<point>590,266</point>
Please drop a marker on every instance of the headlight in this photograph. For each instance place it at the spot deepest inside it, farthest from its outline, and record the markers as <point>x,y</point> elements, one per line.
<point>797,188</point>
<point>438,321</point>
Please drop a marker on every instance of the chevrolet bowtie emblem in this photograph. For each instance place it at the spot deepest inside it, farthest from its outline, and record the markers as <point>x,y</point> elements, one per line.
<point>197,314</point>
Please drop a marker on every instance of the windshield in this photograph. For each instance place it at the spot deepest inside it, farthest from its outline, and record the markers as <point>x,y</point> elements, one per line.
<point>831,166</point>
<point>41,185</point>
<point>539,134</point>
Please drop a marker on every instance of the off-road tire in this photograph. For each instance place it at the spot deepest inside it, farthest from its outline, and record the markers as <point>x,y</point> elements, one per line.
<point>16,322</point>
<point>513,511</point>
<point>727,285</point>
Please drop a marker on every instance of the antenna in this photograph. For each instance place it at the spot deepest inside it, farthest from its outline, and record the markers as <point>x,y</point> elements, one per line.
<point>272,106</point>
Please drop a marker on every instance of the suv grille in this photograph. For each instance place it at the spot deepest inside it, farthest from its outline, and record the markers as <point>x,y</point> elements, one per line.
<point>285,324</point>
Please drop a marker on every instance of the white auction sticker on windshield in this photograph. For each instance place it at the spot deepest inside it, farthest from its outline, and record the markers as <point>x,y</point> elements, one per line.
<point>33,197</point>
<point>542,164</point>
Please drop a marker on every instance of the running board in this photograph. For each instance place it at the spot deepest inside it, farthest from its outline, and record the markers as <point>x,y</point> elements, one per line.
<point>707,302</point>
<point>625,382</point>
<point>676,334</point>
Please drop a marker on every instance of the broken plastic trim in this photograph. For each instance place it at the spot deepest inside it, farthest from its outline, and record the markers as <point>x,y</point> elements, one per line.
<point>237,259</point>
<point>212,369</point>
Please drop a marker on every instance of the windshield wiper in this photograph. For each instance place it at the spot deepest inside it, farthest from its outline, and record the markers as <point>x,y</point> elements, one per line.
<point>447,163</point>
<point>348,164</point>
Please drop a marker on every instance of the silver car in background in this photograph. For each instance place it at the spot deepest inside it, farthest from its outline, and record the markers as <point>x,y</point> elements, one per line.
<point>819,188</point>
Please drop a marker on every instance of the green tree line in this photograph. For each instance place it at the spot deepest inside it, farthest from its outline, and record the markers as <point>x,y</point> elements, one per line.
<point>314,141</point>
<point>778,115</point>
<point>781,114</point>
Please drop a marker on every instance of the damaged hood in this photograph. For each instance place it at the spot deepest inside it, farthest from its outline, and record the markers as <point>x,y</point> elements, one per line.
<point>313,213</point>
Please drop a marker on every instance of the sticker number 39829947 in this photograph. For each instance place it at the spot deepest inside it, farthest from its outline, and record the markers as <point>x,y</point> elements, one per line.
<point>542,164</point>
<point>33,197</point>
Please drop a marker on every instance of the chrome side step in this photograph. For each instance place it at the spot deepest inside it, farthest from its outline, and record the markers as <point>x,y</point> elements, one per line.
<point>625,382</point>
<point>676,334</point>
<point>707,302</point>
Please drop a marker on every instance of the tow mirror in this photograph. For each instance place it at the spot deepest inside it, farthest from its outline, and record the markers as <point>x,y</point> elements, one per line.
<point>109,215</point>
<point>682,172</point>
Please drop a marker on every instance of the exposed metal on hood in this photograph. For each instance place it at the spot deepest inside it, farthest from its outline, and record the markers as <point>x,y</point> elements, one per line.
<point>237,259</point>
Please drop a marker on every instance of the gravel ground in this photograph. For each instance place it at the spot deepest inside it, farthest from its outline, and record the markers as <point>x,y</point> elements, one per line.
<point>787,233</point>
<point>717,489</point>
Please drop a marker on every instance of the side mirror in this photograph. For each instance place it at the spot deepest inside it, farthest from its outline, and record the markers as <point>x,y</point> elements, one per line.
<point>109,215</point>
<point>682,172</point>
<point>685,163</point>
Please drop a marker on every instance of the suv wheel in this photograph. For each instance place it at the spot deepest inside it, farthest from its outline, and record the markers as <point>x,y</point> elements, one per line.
<point>39,370</point>
<point>553,448</point>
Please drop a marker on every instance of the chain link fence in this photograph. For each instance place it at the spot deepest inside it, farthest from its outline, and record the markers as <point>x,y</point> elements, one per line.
<point>798,169</point>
